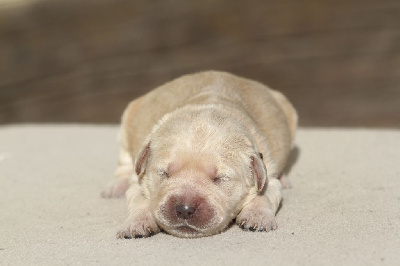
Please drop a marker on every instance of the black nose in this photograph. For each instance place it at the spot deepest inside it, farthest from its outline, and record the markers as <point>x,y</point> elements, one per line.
<point>185,211</point>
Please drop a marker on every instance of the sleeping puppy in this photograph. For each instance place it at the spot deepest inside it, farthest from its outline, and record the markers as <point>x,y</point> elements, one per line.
<point>201,151</point>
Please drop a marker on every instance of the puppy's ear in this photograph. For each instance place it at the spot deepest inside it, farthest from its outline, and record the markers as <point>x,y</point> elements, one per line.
<point>141,161</point>
<point>259,172</point>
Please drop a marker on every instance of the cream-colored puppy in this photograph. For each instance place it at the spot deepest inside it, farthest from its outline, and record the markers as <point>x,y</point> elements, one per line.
<point>200,151</point>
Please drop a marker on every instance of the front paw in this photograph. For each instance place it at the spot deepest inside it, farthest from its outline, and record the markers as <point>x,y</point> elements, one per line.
<point>138,226</point>
<point>257,219</point>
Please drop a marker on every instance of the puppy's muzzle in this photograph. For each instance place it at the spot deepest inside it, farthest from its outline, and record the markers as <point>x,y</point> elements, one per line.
<point>188,212</point>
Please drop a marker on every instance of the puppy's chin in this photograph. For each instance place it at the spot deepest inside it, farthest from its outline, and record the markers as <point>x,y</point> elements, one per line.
<point>189,231</point>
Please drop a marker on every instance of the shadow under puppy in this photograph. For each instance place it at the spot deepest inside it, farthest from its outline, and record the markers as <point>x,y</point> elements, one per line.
<point>200,151</point>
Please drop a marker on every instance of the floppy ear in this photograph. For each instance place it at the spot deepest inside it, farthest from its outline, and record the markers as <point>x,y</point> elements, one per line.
<point>259,172</point>
<point>141,161</point>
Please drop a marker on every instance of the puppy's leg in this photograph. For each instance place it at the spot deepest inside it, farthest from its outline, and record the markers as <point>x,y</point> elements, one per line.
<point>140,222</point>
<point>259,214</point>
<point>120,184</point>
<point>124,171</point>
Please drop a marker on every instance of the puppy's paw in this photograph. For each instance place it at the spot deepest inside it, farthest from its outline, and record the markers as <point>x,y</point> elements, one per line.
<point>116,188</point>
<point>257,219</point>
<point>285,182</point>
<point>139,226</point>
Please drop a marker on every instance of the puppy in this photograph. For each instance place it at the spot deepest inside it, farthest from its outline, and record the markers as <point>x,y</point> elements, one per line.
<point>201,151</point>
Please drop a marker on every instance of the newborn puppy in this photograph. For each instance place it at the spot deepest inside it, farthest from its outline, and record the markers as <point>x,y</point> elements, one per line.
<point>200,151</point>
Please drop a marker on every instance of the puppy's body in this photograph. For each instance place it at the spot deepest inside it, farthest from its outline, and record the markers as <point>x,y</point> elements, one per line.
<point>208,148</point>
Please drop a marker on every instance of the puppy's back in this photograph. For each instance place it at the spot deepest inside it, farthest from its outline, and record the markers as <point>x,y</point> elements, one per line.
<point>269,109</point>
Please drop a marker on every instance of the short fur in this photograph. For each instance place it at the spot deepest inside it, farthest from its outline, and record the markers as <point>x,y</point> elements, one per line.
<point>210,141</point>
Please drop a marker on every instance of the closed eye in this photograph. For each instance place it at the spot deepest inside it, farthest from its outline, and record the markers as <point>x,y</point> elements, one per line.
<point>220,178</point>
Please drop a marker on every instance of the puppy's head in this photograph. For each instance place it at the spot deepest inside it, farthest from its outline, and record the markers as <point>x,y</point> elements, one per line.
<point>198,169</point>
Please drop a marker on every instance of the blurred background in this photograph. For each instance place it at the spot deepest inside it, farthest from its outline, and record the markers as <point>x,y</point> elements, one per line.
<point>82,61</point>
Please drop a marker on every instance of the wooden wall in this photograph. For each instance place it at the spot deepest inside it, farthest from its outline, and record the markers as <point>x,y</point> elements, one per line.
<point>84,60</point>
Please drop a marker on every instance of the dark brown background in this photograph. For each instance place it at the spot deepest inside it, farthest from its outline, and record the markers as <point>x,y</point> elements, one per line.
<point>84,60</point>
